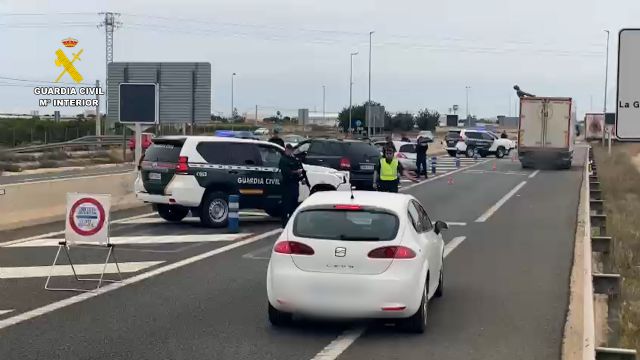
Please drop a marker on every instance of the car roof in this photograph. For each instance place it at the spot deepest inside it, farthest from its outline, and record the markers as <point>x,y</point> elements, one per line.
<point>396,202</point>
<point>217,139</point>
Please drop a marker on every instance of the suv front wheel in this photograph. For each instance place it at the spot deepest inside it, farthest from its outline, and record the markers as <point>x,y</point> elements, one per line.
<point>214,211</point>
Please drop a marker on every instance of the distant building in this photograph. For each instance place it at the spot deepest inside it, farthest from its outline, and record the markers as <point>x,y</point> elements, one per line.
<point>328,119</point>
<point>508,122</point>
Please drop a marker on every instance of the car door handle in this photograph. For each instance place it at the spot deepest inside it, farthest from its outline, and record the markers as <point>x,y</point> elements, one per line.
<point>320,160</point>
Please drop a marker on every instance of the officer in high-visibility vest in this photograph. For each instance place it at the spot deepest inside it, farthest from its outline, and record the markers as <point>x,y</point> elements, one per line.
<point>388,170</point>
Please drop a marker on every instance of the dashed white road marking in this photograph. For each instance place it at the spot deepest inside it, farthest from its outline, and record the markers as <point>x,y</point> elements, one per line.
<point>2,312</point>
<point>342,342</point>
<point>487,214</point>
<point>21,272</point>
<point>132,280</point>
<point>534,174</point>
<point>404,188</point>
<point>152,239</point>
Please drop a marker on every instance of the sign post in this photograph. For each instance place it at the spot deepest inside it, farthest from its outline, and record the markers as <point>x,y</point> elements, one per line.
<point>87,225</point>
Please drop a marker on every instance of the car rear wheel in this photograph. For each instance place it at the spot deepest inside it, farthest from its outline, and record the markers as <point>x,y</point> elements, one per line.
<point>500,152</point>
<point>417,323</point>
<point>214,210</point>
<point>173,213</point>
<point>470,151</point>
<point>279,318</point>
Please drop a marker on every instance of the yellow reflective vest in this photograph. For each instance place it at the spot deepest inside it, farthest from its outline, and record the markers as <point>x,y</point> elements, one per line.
<point>388,171</point>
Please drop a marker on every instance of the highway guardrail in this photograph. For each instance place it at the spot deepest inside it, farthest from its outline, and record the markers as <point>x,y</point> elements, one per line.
<point>603,283</point>
<point>85,141</point>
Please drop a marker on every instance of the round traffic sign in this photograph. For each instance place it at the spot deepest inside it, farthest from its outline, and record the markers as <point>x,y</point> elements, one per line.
<point>358,123</point>
<point>87,217</point>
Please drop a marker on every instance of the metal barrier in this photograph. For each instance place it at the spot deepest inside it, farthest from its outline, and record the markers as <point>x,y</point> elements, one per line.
<point>85,141</point>
<point>601,283</point>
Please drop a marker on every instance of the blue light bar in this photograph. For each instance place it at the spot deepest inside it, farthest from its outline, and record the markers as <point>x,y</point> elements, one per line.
<point>225,133</point>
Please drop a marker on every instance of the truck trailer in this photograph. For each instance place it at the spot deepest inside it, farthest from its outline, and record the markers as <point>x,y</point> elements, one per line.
<point>546,132</point>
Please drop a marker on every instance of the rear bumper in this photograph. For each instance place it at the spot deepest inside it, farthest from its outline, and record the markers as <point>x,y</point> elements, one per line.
<point>292,290</point>
<point>362,181</point>
<point>182,190</point>
<point>528,156</point>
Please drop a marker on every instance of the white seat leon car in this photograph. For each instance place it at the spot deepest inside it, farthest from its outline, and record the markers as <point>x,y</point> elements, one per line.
<point>373,255</point>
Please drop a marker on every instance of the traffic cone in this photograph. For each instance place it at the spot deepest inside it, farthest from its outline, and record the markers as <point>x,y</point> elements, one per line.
<point>450,180</point>
<point>494,166</point>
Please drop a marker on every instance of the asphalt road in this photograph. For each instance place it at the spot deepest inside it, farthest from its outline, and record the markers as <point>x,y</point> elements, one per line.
<point>25,178</point>
<point>506,289</point>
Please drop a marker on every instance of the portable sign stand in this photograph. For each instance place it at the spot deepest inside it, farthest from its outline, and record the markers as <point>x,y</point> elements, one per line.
<point>87,225</point>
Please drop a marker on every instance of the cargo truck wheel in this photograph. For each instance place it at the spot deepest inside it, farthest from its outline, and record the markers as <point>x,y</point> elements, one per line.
<point>173,213</point>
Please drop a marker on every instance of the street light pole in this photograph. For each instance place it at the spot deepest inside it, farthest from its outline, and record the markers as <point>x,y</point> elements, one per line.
<point>351,88</point>
<point>232,107</point>
<point>467,90</point>
<point>606,73</point>
<point>368,108</point>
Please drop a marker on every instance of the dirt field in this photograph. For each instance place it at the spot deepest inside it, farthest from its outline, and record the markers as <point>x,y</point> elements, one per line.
<point>619,175</point>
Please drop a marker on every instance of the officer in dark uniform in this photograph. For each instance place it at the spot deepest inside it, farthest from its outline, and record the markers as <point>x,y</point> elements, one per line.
<point>292,172</point>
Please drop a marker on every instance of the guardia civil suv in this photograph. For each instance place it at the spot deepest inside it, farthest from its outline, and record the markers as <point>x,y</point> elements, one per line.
<point>179,174</point>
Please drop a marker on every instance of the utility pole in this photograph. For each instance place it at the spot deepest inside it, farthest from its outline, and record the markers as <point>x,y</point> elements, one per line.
<point>351,88</point>
<point>324,117</point>
<point>256,122</point>
<point>110,24</point>
<point>467,90</point>
<point>232,114</point>
<point>98,123</point>
<point>368,109</point>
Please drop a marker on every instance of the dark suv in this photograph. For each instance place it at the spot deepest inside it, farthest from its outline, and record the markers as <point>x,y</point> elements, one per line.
<point>357,157</point>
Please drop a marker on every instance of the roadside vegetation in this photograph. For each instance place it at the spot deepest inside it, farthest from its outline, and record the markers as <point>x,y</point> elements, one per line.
<point>620,181</point>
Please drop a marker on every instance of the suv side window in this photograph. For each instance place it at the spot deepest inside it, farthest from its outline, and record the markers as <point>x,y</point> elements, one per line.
<point>487,136</point>
<point>228,153</point>
<point>472,135</point>
<point>270,156</point>
<point>424,218</point>
<point>414,215</point>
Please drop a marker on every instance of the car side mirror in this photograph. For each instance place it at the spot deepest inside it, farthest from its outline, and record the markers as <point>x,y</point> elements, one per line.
<point>439,226</point>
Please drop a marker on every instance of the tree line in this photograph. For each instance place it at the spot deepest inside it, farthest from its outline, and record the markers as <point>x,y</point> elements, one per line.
<point>425,119</point>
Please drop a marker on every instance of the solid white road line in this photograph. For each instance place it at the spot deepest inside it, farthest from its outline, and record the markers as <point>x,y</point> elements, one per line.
<point>65,270</point>
<point>534,174</point>
<point>453,223</point>
<point>487,214</point>
<point>2,312</point>
<point>152,239</point>
<point>342,342</point>
<point>56,233</point>
<point>132,280</point>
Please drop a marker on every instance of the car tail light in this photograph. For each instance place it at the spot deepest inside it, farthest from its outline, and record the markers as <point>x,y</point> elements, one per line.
<point>347,207</point>
<point>345,164</point>
<point>293,248</point>
<point>401,155</point>
<point>182,166</point>
<point>392,252</point>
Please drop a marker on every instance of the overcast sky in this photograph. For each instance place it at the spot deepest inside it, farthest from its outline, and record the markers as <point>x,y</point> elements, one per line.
<point>424,52</point>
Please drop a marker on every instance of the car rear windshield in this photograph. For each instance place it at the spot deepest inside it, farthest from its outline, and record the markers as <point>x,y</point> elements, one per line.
<point>163,152</point>
<point>453,134</point>
<point>330,224</point>
<point>361,148</point>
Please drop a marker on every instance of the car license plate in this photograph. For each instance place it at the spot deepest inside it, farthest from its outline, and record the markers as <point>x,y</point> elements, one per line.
<point>155,176</point>
<point>366,166</point>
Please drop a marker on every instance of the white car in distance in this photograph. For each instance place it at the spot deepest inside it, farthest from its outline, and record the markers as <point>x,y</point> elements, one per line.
<point>373,255</point>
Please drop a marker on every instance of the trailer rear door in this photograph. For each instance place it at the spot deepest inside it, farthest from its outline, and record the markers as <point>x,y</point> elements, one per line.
<point>531,123</point>
<point>558,123</point>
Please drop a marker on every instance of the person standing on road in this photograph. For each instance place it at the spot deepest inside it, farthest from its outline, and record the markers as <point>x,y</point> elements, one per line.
<point>421,157</point>
<point>387,172</point>
<point>276,139</point>
<point>504,135</point>
<point>291,170</point>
